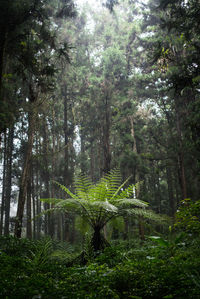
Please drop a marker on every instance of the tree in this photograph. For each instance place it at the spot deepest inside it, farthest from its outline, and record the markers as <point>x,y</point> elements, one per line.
<point>38,77</point>
<point>173,34</point>
<point>27,33</point>
<point>100,203</point>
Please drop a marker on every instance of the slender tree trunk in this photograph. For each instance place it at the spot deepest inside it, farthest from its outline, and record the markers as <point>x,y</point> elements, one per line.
<point>2,58</point>
<point>137,177</point>
<point>24,177</point>
<point>106,135</point>
<point>46,177</point>
<point>39,221</point>
<point>157,188</point>
<point>33,203</point>
<point>3,187</point>
<point>28,208</point>
<point>8,180</point>
<point>66,136</point>
<point>92,163</point>
<point>170,191</point>
<point>180,153</point>
<point>37,193</point>
<point>66,162</point>
<point>54,219</point>
<point>83,161</point>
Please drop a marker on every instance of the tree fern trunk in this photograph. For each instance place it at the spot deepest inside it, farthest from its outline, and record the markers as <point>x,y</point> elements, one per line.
<point>97,241</point>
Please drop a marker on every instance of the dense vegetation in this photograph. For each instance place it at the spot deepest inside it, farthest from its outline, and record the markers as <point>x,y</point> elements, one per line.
<point>99,149</point>
<point>44,269</point>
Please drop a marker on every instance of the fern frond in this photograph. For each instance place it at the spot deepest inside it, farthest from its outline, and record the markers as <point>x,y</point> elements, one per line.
<point>120,187</point>
<point>68,204</point>
<point>82,186</point>
<point>131,201</point>
<point>105,205</point>
<point>65,189</point>
<point>148,214</point>
<point>107,186</point>
<point>126,193</point>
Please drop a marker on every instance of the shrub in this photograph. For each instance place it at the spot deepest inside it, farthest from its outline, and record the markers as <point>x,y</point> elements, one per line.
<point>188,216</point>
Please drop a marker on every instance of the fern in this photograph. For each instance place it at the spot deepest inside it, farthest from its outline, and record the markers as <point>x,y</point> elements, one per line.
<point>102,202</point>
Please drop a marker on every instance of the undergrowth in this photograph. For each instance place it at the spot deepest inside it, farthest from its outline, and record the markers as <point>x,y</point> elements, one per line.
<point>45,269</point>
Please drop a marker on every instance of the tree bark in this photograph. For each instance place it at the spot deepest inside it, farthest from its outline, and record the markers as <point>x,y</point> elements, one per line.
<point>66,136</point>
<point>106,135</point>
<point>92,175</point>
<point>8,180</point>
<point>24,177</point>
<point>137,177</point>
<point>170,191</point>
<point>4,185</point>
<point>46,177</point>
<point>28,208</point>
<point>37,193</point>
<point>181,156</point>
<point>66,217</point>
<point>2,56</point>
<point>33,203</point>
<point>98,240</point>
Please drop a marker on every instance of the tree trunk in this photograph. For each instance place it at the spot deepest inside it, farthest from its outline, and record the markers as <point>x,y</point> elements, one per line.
<point>66,136</point>
<point>52,190</point>
<point>8,180</point>
<point>92,175</point>
<point>170,191</point>
<point>66,179</point>
<point>37,193</point>
<point>24,177</point>
<point>180,153</point>
<point>106,135</point>
<point>97,240</point>
<point>33,203</point>
<point>83,162</point>
<point>3,187</point>
<point>46,177</point>
<point>28,209</point>
<point>137,178</point>
<point>2,58</point>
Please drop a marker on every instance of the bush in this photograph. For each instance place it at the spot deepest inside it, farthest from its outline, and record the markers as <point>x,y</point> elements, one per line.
<point>188,216</point>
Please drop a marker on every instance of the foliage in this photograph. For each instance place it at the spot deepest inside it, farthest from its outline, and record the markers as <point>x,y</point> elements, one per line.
<point>119,272</point>
<point>188,216</point>
<point>14,247</point>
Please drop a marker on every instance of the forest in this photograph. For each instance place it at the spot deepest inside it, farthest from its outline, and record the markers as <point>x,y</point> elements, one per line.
<point>99,149</point>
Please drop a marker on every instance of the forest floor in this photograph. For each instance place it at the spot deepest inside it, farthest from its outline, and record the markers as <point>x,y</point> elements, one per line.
<point>48,269</point>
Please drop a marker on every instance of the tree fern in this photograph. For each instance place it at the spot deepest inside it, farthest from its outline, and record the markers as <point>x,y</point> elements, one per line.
<point>102,202</point>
